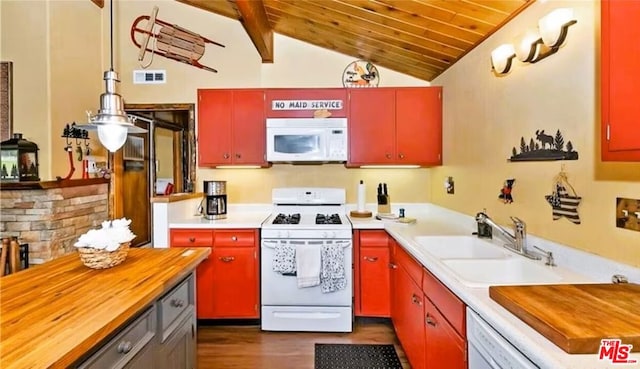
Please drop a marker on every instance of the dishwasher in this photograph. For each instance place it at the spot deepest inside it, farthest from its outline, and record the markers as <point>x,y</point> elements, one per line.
<point>489,350</point>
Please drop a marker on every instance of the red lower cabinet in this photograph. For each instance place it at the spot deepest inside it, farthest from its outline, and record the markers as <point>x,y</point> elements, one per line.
<point>409,321</point>
<point>445,349</point>
<point>234,293</point>
<point>374,285</point>
<point>204,283</point>
<point>227,283</point>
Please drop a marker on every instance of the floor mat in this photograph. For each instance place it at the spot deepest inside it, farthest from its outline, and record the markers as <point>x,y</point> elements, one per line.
<point>345,356</point>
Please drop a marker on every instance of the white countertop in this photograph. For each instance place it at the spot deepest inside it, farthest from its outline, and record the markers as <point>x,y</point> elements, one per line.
<point>432,220</point>
<point>235,219</point>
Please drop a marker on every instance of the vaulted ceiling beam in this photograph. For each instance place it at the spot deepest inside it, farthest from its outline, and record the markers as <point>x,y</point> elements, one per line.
<point>254,20</point>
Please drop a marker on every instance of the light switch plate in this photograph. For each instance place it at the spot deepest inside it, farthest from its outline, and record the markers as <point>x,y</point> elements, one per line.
<point>628,213</point>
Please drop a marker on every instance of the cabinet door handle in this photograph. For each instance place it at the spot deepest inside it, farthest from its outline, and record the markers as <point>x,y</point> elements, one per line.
<point>124,347</point>
<point>429,320</point>
<point>227,259</point>
<point>226,155</point>
<point>192,239</point>
<point>388,156</point>
<point>401,156</point>
<point>371,258</point>
<point>416,300</point>
<point>238,156</point>
<point>393,266</point>
<point>234,238</point>
<point>177,303</point>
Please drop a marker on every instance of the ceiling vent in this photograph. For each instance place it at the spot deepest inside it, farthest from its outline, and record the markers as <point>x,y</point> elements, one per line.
<point>149,76</point>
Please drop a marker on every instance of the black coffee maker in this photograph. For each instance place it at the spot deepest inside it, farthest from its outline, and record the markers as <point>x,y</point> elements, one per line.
<point>215,206</point>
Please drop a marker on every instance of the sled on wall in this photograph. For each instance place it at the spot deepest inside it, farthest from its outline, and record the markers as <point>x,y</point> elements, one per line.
<point>156,36</point>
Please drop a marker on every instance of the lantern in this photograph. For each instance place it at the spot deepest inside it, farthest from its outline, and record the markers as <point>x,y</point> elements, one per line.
<point>18,160</point>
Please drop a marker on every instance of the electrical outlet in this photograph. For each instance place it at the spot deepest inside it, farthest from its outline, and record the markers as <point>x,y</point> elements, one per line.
<point>628,213</point>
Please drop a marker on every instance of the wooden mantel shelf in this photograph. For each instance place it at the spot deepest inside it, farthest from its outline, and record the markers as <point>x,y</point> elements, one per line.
<point>45,185</point>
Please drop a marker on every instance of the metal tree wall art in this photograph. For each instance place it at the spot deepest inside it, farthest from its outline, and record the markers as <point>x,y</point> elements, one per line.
<point>544,147</point>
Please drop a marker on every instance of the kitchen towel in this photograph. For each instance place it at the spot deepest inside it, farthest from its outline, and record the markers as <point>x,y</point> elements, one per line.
<point>284,259</point>
<point>332,276</point>
<point>308,261</point>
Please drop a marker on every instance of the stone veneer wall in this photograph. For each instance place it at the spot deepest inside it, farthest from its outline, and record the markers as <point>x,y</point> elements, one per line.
<point>51,220</point>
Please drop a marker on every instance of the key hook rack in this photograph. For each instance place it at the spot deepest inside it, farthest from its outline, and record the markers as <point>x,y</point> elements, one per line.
<point>70,131</point>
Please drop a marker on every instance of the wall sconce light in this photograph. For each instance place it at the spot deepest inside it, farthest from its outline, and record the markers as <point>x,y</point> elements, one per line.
<point>534,45</point>
<point>554,26</point>
<point>501,58</point>
<point>527,49</point>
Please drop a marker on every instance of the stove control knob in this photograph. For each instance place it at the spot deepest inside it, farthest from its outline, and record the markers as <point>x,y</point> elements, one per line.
<point>283,234</point>
<point>325,234</point>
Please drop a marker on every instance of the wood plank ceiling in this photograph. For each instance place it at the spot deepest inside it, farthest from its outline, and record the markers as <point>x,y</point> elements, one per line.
<point>420,38</point>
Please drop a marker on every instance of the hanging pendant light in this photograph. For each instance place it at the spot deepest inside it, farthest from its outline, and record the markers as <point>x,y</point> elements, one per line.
<point>112,122</point>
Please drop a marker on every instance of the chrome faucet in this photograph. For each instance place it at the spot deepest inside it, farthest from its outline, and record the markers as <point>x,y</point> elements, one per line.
<point>517,242</point>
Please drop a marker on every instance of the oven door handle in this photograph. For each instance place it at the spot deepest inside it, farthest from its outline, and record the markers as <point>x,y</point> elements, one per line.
<point>270,244</point>
<point>273,243</point>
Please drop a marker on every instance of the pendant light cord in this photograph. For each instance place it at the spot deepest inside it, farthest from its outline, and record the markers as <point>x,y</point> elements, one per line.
<point>111,34</point>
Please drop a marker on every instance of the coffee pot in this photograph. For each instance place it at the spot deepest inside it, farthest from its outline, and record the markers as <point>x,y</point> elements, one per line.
<point>215,201</point>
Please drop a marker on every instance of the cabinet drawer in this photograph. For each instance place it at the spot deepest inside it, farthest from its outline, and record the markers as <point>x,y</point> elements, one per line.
<point>374,238</point>
<point>234,238</point>
<point>410,265</point>
<point>173,304</point>
<point>125,345</point>
<point>449,304</point>
<point>190,237</point>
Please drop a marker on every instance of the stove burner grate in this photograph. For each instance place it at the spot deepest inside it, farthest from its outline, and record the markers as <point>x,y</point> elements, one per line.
<point>287,219</point>
<point>328,219</point>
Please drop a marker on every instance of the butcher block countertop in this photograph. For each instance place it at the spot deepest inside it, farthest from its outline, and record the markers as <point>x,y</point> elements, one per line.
<point>576,316</point>
<point>54,313</point>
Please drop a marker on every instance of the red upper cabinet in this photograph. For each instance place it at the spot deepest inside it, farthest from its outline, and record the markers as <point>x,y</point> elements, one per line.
<point>371,126</point>
<point>419,126</point>
<point>620,80</point>
<point>395,126</point>
<point>231,127</point>
<point>304,102</point>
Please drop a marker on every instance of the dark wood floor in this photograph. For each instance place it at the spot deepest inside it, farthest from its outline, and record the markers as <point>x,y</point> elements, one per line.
<point>248,347</point>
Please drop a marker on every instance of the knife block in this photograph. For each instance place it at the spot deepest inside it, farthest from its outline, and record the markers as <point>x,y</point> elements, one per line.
<point>385,208</point>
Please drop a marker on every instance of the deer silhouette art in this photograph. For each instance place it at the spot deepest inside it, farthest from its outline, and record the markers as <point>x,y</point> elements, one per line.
<point>544,139</point>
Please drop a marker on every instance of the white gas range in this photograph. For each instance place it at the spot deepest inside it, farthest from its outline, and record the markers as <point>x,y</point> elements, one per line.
<point>304,220</point>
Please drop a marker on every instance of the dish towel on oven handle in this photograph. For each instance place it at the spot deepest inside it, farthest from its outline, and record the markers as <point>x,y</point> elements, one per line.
<point>284,259</point>
<point>332,276</point>
<point>308,265</point>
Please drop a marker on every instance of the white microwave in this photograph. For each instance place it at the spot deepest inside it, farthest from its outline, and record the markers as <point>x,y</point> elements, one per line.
<point>307,139</point>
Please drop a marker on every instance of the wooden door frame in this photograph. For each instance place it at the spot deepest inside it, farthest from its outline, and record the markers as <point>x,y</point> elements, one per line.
<point>116,198</point>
